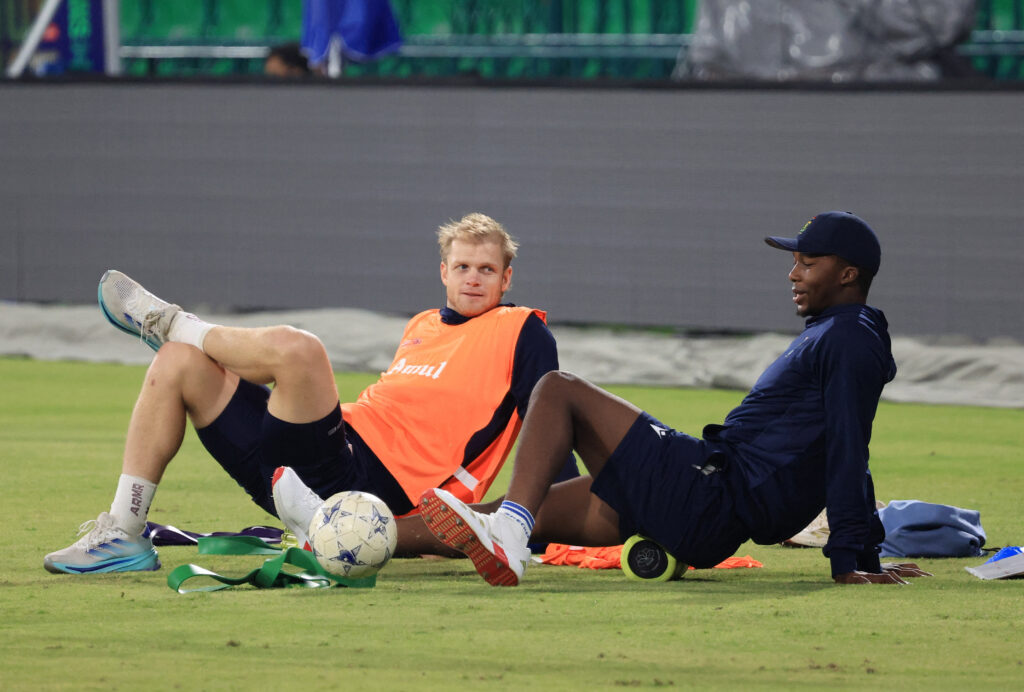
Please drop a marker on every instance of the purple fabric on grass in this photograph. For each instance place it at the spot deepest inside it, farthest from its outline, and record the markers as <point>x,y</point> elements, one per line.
<point>172,535</point>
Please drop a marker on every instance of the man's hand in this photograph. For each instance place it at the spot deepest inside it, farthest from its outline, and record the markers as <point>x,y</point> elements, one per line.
<point>904,569</point>
<point>869,578</point>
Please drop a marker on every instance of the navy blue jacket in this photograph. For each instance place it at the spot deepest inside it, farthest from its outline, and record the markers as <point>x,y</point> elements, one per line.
<point>799,440</point>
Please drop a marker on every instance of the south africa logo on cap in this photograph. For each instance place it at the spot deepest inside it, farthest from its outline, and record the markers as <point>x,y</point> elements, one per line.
<point>807,224</point>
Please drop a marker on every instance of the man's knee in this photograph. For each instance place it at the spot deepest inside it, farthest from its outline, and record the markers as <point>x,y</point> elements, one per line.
<point>556,385</point>
<point>190,374</point>
<point>176,359</point>
<point>293,346</point>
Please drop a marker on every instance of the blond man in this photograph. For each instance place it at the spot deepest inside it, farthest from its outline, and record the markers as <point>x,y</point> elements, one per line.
<point>445,413</point>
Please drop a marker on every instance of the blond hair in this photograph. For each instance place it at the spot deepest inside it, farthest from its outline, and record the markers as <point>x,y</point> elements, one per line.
<point>476,228</point>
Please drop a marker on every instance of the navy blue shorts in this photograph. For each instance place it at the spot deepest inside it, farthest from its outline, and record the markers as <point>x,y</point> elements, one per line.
<point>654,480</point>
<point>327,455</point>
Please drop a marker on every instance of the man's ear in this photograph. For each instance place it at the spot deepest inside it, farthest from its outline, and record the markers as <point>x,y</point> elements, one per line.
<point>848,276</point>
<point>444,273</point>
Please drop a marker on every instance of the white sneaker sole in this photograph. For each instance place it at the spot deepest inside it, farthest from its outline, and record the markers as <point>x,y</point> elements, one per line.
<point>141,562</point>
<point>456,531</point>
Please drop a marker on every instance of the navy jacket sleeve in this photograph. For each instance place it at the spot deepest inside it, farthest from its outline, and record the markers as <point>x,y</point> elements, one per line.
<point>852,373</point>
<point>536,354</point>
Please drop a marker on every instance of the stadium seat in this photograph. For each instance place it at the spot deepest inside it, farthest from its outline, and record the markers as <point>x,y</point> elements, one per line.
<point>240,20</point>
<point>152,20</point>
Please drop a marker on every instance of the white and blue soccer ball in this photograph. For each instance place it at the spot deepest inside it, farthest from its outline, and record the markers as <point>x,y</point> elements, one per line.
<point>353,534</point>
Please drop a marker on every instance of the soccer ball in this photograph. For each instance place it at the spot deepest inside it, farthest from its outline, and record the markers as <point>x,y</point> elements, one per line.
<point>353,534</point>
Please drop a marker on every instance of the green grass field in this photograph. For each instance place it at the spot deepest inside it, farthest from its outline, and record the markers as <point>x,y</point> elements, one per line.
<point>433,624</point>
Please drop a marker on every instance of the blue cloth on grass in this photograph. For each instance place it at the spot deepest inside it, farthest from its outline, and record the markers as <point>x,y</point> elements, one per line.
<point>922,529</point>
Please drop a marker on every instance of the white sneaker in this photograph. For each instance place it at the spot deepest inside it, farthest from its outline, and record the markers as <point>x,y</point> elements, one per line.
<point>295,503</point>
<point>489,540</point>
<point>814,535</point>
<point>105,547</point>
<point>134,310</point>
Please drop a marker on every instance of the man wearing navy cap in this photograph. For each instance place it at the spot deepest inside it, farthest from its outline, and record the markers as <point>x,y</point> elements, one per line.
<point>833,241</point>
<point>797,442</point>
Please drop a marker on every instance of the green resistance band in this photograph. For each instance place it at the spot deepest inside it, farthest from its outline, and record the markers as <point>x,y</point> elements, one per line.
<point>271,575</point>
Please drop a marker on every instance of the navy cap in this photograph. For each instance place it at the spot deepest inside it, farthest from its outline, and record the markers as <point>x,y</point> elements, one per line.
<point>836,233</point>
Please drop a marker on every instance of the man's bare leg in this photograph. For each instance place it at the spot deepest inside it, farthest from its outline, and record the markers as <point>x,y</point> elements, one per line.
<point>180,381</point>
<point>293,359</point>
<point>573,515</point>
<point>566,413</point>
<point>183,382</point>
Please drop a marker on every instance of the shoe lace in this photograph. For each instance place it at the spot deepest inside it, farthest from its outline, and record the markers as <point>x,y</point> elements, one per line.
<point>87,527</point>
<point>149,324</point>
<point>142,301</point>
<point>93,532</point>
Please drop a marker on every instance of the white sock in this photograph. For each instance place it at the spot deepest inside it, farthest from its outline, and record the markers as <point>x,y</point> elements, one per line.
<point>189,329</point>
<point>519,516</point>
<point>130,507</point>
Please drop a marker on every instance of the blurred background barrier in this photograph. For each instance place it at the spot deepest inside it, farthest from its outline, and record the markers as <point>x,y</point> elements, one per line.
<point>634,206</point>
<point>503,39</point>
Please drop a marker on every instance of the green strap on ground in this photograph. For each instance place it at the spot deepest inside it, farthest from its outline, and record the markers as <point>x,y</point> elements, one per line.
<point>236,545</point>
<point>272,575</point>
